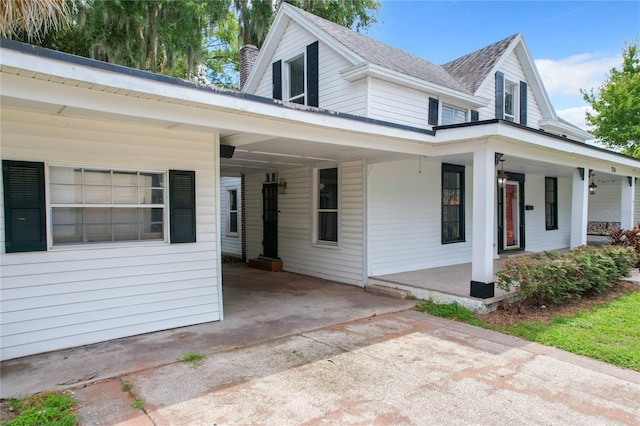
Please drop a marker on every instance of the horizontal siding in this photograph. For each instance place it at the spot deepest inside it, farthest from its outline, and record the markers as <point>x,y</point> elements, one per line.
<point>605,204</point>
<point>230,244</point>
<point>397,104</point>
<point>295,247</point>
<point>404,218</point>
<point>336,93</point>
<point>76,295</point>
<point>636,206</point>
<point>253,210</point>
<point>537,238</point>
<point>513,72</point>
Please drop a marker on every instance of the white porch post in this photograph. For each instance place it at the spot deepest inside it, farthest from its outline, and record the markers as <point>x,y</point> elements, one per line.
<point>627,203</point>
<point>484,190</point>
<point>579,207</point>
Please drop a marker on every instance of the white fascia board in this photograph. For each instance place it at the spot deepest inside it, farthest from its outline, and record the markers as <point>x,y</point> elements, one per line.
<point>533,77</point>
<point>322,36</point>
<point>561,127</point>
<point>266,52</point>
<point>367,69</point>
<point>520,137</point>
<point>286,14</point>
<point>215,111</point>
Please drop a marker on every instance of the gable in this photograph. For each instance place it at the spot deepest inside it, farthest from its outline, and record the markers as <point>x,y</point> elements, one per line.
<point>512,70</point>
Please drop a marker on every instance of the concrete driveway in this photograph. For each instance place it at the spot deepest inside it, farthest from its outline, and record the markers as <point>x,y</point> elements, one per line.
<point>258,306</point>
<point>383,368</point>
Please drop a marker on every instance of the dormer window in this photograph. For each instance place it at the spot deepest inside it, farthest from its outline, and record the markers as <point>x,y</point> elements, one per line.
<point>510,96</point>
<point>452,115</point>
<point>296,80</point>
<point>511,100</point>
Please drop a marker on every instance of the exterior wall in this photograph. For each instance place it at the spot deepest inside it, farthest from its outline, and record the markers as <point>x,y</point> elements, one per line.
<point>295,247</point>
<point>636,206</point>
<point>537,238</point>
<point>391,102</point>
<point>76,295</point>
<point>336,94</point>
<point>230,243</point>
<point>512,71</point>
<point>404,218</point>
<point>605,204</point>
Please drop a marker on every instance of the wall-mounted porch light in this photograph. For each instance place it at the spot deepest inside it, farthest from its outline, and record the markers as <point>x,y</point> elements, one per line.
<point>592,185</point>
<point>282,186</point>
<point>502,176</point>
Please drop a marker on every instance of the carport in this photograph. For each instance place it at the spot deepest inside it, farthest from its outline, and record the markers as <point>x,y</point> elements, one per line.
<point>259,306</point>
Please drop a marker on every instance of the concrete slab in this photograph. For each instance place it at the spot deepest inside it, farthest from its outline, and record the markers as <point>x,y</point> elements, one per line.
<point>383,368</point>
<point>404,368</point>
<point>259,306</point>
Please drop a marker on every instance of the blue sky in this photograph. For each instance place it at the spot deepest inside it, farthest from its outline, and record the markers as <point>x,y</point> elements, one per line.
<point>574,43</point>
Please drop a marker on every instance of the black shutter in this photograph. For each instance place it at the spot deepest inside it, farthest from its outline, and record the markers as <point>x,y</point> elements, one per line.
<point>277,80</point>
<point>182,206</point>
<point>24,206</point>
<point>523,103</point>
<point>475,115</point>
<point>433,111</point>
<point>499,95</point>
<point>313,85</point>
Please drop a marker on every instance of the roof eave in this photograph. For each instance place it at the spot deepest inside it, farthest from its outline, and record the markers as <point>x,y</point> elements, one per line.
<point>367,69</point>
<point>566,128</point>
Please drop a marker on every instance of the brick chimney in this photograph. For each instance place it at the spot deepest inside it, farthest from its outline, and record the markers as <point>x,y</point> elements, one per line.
<point>248,55</point>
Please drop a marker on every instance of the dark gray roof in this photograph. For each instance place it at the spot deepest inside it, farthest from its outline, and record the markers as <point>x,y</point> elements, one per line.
<point>390,57</point>
<point>472,69</point>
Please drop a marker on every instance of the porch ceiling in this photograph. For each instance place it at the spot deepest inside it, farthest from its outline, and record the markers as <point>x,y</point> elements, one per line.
<point>256,153</point>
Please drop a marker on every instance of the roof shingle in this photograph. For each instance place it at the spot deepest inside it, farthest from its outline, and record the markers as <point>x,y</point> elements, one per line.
<point>386,56</point>
<point>472,69</point>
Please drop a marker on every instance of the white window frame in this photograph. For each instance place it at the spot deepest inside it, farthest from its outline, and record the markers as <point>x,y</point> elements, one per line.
<point>287,85</point>
<point>454,108</point>
<point>315,182</point>
<point>50,205</point>
<point>516,101</point>
<point>229,211</point>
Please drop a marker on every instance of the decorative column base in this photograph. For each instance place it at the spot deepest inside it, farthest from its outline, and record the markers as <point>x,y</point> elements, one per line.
<point>482,290</point>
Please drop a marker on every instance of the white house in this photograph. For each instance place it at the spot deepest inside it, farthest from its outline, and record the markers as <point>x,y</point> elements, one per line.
<point>356,159</point>
<point>231,216</point>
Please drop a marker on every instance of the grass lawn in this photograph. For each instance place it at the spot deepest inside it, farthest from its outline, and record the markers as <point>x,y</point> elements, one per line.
<point>45,408</point>
<point>610,332</point>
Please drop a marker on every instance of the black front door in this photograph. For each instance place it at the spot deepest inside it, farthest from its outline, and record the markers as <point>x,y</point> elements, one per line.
<point>270,220</point>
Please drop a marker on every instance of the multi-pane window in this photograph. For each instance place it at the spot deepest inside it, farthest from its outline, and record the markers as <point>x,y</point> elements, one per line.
<point>510,93</point>
<point>452,203</point>
<point>453,115</point>
<point>296,80</point>
<point>233,212</point>
<point>551,202</point>
<point>328,205</point>
<point>98,206</point>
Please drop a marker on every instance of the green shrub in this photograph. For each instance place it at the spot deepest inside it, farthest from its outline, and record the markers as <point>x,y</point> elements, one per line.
<point>552,278</point>
<point>627,238</point>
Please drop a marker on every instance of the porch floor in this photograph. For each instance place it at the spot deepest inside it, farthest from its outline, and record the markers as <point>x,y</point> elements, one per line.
<point>444,285</point>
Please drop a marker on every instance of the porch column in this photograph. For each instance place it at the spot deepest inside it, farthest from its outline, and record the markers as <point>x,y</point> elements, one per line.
<point>627,203</point>
<point>484,190</point>
<point>579,207</point>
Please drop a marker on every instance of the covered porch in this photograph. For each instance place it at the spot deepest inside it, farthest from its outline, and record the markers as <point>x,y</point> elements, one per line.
<point>445,284</point>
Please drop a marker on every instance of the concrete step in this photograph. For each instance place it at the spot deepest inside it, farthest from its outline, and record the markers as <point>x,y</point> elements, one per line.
<point>384,290</point>
<point>266,264</point>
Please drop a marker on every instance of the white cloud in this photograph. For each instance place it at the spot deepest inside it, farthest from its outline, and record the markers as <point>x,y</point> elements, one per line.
<point>576,116</point>
<point>568,75</point>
